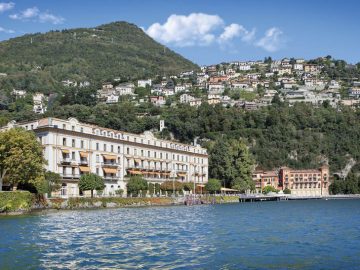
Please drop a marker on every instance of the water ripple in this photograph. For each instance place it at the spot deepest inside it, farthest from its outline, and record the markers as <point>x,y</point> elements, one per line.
<point>285,235</point>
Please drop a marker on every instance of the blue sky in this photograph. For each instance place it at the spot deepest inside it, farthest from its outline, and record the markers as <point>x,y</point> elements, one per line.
<point>210,31</point>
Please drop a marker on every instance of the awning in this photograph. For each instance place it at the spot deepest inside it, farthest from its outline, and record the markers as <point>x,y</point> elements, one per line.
<point>181,174</point>
<point>84,154</point>
<point>135,172</point>
<point>228,189</point>
<point>109,157</point>
<point>200,185</point>
<point>110,170</point>
<point>137,160</point>
<point>84,169</point>
<point>65,151</point>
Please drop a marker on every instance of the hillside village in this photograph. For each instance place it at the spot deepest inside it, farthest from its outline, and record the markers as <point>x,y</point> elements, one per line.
<point>246,84</point>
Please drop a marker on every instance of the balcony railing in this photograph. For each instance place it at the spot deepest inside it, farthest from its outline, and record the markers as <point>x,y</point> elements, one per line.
<point>111,178</point>
<point>110,164</point>
<point>83,162</point>
<point>65,160</point>
<point>149,168</point>
<point>70,176</point>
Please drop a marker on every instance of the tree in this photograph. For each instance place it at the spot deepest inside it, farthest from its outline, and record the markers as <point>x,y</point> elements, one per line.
<point>213,185</point>
<point>136,184</point>
<point>91,182</point>
<point>170,185</point>
<point>53,180</point>
<point>50,184</point>
<point>151,189</point>
<point>157,188</point>
<point>287,191</point>
<point>269,189</point>
<point>188,186</point>
<point>21,158</point>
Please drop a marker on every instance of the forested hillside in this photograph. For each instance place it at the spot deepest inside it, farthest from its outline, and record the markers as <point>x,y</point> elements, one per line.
<point>39,62</point>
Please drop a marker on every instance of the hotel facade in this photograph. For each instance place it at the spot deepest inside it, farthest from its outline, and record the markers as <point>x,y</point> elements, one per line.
<point>313,182</point>
<point>72,148</point>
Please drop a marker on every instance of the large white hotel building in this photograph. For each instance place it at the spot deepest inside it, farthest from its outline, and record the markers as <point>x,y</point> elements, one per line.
<point>72,148</point>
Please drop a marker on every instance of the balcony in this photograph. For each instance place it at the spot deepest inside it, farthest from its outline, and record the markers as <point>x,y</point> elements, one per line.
<point>70,176</point>
<point>111,178</point>
<point>83,162</point>
<point>110,164</point>
<point>68,161</point>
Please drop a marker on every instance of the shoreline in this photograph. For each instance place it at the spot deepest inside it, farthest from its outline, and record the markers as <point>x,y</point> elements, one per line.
<point>137,202</point>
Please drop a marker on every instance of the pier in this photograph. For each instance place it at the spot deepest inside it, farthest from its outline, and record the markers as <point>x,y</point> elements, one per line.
<point>289,197</point>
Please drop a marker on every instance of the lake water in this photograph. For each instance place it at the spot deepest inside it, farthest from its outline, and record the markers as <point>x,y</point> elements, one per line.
<point>265,235</point>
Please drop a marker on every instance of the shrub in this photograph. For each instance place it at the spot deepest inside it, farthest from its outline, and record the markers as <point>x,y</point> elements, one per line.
<point>119,192</point>
<point>11,201</point>
<point>269,189</point>
<point>287,191</point>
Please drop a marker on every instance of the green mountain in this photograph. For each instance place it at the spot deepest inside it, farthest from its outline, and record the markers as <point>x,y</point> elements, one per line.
<point>115,50</point>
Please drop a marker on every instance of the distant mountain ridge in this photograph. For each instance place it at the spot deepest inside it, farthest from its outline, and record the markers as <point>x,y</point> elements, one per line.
<point>118,49</point>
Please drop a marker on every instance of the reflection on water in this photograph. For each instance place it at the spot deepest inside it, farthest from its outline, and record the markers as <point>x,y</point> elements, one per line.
<point>306,234</point>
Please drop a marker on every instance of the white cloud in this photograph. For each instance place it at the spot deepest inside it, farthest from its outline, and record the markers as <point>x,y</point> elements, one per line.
<point>6,6</point>
<point>181,30</point>
<point>35,14</point>
<point>272,41</point>
<point>47,17</point>
<point>200,29</point>
<point>8,31</point>
<point>236,30</point>
<point>26,14</point>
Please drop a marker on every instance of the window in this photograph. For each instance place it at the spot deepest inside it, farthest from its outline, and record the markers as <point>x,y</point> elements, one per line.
<point>73,155</point>
<point>97,158</point>
<point>104,147</point>
<point>64,126</point>
<point>127,150</point>
<point>73,171</point>
<point>82,144</point>
<point>64,141</point>
<point>118,149</point>
<point>97,171</point>
<point>112,148</point>
<point>72,128</point>
<point>81,130</point>
<point>73,142</point>
<point>32,126</point>
<point>142,152</point>
<point>149,154</point>
<point>97,146</point>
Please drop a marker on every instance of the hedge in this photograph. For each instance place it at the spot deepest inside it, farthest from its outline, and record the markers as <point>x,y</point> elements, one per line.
<point>13,201</point>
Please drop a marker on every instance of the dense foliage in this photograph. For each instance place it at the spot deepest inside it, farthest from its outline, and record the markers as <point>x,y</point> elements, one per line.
<point>15,201</point>
<point>21,159</point>
<point>349,185</point>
